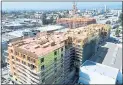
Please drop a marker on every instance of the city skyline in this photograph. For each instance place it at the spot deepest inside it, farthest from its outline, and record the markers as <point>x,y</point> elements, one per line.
<point>58,5</point>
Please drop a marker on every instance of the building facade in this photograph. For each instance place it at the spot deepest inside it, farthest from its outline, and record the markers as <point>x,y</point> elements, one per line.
<point>75,22</point>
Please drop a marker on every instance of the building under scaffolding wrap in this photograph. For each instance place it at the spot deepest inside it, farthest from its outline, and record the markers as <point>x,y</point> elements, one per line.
<point>54,58</point>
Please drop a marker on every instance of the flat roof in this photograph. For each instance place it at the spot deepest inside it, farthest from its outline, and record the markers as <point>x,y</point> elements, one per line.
<point>41,44</point>
<point>18,33</point>
<point>100,71</point>
<point>50,28</point>
<point>7,37</point>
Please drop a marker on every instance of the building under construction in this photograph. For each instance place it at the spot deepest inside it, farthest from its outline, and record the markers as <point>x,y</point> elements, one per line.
<point>75,22</point>
<point>54,58</point>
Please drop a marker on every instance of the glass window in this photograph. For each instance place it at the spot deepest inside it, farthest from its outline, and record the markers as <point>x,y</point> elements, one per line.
<point>43,80</point>
<point>12,57</point>
<point>11,51</point>
<point>24,56</point>
<point>55,59</point>
<point>55,53</point>
<point>42,60</point>
<point>42,67</point>
<point>61,55</point>
<point>61,49</point>
<point>28,58</point>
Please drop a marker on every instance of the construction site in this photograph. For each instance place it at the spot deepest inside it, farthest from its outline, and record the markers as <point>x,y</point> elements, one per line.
<point>54,58</point>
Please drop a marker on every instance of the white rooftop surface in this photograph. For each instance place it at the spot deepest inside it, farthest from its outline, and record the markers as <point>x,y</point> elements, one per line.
<point>50,27</point>
<point>95,73</point>
<point>13,24</point>
<point>18,33</point>
<point>7,37</point>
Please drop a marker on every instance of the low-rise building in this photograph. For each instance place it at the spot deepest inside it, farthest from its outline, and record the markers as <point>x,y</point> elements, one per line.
<point>95,73</point>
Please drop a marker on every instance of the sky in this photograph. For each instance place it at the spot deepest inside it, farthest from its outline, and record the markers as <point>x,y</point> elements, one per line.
<point>57,5</point>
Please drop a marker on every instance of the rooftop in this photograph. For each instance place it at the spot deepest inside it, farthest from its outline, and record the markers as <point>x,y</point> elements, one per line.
<point>42,44</point>
<point>95,70</point>
<point>7,37</point>
<point>50,28</point>
<point>45,42</point>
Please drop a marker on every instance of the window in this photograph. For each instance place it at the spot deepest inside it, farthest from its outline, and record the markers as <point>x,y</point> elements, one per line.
<point>61,49</point>
<point>66,47</point>
<point>42,67</point>
<point>43,80</point>
<point>42,73</point>
<point>32,66</point>
<point>16,53</point>
<point>42,60</point>
<point>14,68</point>
<point>61,55</point>
<point>28,58</point>
<point>12,57</point>
<point>61,65</point>
<point>55,64</point>
<point>23,56</point>
<point>17,59</point>
<point>11,51</point>
<point>14,73</point>
<point>55,70</point>
<point>24,62</point>
<point>34,61</point>
<point>55,59</point>
<point>55,53</point>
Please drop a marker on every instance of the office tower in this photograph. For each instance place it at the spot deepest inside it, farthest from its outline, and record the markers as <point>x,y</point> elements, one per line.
<point>105,8</point>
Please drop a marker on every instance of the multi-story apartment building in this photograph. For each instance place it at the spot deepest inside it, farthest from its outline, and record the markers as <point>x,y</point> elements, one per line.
<point>41,60</point>
<point>86,40</point>
<point>54,58</point>
<point>75,22</point>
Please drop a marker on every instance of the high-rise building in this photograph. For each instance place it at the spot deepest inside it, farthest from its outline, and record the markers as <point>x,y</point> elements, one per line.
<point>105,8</point>
<point>54,58</point>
